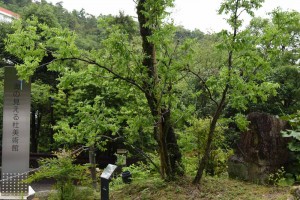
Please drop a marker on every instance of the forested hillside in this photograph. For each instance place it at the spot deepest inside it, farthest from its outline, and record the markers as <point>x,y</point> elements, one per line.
<point>177,99</point>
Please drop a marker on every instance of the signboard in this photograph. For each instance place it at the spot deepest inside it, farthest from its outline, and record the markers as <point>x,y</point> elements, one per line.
<point>108,171</point>
<point>16,134</point>
<point>122,151</point>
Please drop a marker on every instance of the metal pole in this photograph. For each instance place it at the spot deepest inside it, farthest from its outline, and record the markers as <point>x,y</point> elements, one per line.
<point>104,189</point>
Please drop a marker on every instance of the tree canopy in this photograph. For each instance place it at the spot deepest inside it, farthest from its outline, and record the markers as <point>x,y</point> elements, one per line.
<point>148,83</point>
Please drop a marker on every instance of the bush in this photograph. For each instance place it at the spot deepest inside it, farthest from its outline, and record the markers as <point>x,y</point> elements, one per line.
<point>66,174</point>
<point>281,178</point>
<point>193,143</point>
<point>140,173</point>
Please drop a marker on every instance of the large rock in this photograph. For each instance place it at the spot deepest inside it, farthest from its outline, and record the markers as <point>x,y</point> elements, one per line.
<point>261,150</point>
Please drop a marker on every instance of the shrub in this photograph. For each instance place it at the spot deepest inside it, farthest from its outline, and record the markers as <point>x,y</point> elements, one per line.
<point>193,143</point>
<point>66,174</point>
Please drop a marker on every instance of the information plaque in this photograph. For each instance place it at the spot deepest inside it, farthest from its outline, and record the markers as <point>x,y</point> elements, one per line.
<point>108,171</point>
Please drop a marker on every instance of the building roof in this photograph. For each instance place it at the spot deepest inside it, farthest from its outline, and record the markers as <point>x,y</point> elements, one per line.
<point>9,13</point>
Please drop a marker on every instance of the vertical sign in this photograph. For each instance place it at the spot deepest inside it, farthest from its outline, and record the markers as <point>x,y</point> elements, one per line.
<point>16,134</point>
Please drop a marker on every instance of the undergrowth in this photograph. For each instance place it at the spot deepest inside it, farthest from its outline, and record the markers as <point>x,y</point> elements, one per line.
<point>153,188</point>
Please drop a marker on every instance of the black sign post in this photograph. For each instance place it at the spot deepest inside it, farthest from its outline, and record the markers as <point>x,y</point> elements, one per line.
<point>105,178</point>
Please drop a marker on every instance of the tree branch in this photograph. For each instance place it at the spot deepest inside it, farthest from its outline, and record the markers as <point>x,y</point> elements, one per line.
<point>205,86</point>
<point>89,61</point>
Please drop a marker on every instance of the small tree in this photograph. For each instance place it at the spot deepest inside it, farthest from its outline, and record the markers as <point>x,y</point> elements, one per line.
<point>242,78</point>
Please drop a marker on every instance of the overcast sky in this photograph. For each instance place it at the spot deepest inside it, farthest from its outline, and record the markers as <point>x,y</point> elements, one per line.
<point>191,14</point>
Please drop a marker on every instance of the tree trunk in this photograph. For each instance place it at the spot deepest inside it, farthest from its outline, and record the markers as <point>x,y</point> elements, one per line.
<point>212,127</point>
<point>202,164</point>
<point>169,152</point>
<point>34,137</point>
<point>174,154</point>
<point>38,126</point>
<point>35,130</point>
<point>93,166</point>
<point>52,122</point>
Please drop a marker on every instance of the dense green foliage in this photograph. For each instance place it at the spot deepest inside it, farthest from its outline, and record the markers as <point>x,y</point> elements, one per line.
<point>294,134</point>
<point>280,52</point>
<point>171,92</point>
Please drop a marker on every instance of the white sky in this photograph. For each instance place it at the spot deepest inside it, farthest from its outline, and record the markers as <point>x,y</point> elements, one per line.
<point>191,14</point>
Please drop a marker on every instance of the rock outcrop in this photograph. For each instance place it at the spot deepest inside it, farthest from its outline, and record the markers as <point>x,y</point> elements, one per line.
<point>261,150</point>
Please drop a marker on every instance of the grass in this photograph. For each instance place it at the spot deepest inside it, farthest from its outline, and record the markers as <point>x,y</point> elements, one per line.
<point>211,188</point>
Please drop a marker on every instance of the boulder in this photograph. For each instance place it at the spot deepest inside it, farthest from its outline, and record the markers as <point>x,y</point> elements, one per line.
<point>261,149</point>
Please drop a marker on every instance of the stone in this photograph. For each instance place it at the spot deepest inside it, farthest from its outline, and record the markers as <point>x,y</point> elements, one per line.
<point>237,168</point>
<point>261,149</point>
